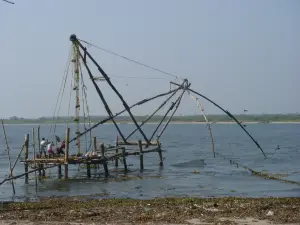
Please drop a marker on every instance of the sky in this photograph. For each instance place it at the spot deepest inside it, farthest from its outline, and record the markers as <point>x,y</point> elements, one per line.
<point>241,54</point>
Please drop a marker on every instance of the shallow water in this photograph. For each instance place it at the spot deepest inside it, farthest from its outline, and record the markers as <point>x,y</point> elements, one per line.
<point>189,166</point>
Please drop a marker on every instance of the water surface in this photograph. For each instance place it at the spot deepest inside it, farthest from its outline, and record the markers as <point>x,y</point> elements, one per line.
<point>189,166</point>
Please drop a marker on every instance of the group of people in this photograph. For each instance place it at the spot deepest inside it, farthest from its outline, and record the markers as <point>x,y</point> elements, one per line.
<point>47,147</point>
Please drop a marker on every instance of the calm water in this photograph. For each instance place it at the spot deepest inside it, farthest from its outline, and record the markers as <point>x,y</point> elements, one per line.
<point>187,148</point>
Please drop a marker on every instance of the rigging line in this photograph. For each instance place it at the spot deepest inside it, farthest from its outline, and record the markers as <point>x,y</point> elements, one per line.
<point>101,96</point>
<point>170,118</point>
<point>8,1</point>
<point>170,108</point>
<point>124,110</point>
<point>74,39</point>
<point>229,114</point>
<point>158,108</point>
<point>83,109</point>
<point>131,60</point>
<point>207,122</point>
<point>86,105</point>
<point>61,87</point>
<point>71,86</point>
<point>132,77</point>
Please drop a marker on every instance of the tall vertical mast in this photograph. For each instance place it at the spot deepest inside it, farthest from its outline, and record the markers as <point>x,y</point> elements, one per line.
<point>75,60</point>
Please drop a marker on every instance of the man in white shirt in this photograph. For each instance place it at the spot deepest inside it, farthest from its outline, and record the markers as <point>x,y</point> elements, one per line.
<point>43,146</point>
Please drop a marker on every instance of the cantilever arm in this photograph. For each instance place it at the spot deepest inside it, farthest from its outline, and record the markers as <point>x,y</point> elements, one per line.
<point>124,110</point>
<point>229,114</point>
<point>73,38</point>
<point>158,108</point>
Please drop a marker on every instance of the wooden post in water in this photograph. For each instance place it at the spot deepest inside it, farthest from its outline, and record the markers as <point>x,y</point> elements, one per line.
<point>59,171</point>
<point>117,151</point>
<point>161,163</point>
<point>26,156</point>
<point>95,144</point>
<point>124,159</point>
<point>103,157</point>
<point>39,145</point>
<point>141,155</point>
<point>34,155</point>
<point>67,153</point>
<point>8,154</point>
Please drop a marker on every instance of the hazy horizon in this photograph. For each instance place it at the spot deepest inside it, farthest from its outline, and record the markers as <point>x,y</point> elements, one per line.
<point>241,54</point>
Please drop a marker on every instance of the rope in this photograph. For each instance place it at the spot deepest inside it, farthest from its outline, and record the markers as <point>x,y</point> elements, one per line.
<point>61,92</point>
<point>131,60</point>
<point>124,110</point>
<point>71,85</point>
<point>85,104</point>
<point>170,118</point>
<point>257,173</point>
<point>207,122</point>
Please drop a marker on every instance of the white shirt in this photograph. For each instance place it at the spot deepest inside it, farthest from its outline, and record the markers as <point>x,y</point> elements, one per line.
<point>43,143</point>
<point>49,146</point>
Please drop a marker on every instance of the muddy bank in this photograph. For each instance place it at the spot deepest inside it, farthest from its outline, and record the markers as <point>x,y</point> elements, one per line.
<point>157,211</point>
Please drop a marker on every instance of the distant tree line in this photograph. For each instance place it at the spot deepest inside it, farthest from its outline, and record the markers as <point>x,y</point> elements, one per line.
<point>263,118</point>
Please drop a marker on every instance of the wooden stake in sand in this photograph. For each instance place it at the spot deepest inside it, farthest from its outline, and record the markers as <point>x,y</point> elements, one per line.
<point>8,153</point>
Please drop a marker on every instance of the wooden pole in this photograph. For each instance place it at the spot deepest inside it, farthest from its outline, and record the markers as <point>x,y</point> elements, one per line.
<point>88,165</point>
<point>117,151</point>
<point>141,155</point>
<point>124,159</point>
<point>88,169</point>
<point>161,163</point>
<point>105,162</point>
<point>59,171</point>
<point>34,155</point>
<point>8,153</point>
<point>39,139</point>
<point>39,144</point>
<point>95,144</point>
<point>26,156</point>
<point>67,153</point>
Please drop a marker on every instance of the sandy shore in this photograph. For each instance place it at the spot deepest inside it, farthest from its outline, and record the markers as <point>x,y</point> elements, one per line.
<point>80,210</point>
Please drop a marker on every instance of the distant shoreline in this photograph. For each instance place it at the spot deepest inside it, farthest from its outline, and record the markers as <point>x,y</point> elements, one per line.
<point>173,122</point>
<point>187,119</point>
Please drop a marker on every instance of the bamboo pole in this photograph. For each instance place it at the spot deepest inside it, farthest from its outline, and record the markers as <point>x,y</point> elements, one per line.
<point>26,156</point>
<point>8,153</point>
<point>39,139</point>
<point>67,153</point>
<point>18,157</point>
<point>141,155</point>
<point>105,162</point>
<point>95,144</point>
<point>39,144</point>
<point>34,154</point>
<point>117,151</point>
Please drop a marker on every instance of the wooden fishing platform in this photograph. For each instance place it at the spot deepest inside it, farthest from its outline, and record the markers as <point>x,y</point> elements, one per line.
<point>101,156</point>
